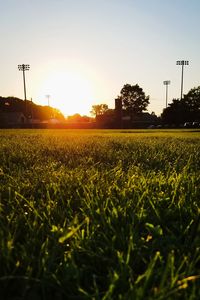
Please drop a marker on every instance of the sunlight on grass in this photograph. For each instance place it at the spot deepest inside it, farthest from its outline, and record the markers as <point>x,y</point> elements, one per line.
<point>101,214</point>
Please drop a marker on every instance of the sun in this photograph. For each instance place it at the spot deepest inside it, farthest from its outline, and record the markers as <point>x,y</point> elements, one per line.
<point>70,92</point>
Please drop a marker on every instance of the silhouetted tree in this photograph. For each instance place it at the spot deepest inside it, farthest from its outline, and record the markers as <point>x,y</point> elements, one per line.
<point>133,98</point>
<point>77,118</point>
<point>99,109</point>
<point>13,104</point>
<point>175,113</point>
<point>184,110</point>
<point>192,101</point>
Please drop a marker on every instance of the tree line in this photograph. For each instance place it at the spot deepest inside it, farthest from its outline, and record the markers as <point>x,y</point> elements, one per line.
<point>135,103</point>
<point>29,109</point>
<point>183,110</point>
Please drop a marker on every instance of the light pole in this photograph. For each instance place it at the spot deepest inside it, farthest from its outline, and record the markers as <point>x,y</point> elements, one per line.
<point>24,68</point>
<point>166,82</point>
<point>48,97</point>
<point>182,63</point>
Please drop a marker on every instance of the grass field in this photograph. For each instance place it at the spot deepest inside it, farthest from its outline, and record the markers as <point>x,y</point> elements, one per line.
<point>99,214</point>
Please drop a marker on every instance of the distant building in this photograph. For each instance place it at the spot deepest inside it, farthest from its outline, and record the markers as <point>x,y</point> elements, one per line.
<point>126,119</point>
<point>12,119</point>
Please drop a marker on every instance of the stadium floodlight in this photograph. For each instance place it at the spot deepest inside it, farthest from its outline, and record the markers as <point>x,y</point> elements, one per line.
<point>166,82</point>
<point>24,68</point>
<point>182,63</point>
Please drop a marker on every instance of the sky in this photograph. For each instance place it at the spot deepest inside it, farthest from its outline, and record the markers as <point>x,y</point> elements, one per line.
<point>82,52</point>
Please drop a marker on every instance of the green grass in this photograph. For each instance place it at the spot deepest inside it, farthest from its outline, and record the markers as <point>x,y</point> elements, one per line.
<point>99,214</point>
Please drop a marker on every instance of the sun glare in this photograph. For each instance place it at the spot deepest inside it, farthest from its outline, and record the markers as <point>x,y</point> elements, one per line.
<point>69,92</point>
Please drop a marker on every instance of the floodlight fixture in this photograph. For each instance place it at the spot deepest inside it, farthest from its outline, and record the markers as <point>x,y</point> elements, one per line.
<point>23,67</point>
<point>182,63</point>
<point>166,82</point>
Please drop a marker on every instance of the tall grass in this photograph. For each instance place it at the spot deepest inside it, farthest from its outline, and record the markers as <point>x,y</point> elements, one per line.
<point>99,214</point>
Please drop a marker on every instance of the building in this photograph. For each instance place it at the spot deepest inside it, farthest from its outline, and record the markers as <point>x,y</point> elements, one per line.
<point>12,119</point>
<point>126,119</point>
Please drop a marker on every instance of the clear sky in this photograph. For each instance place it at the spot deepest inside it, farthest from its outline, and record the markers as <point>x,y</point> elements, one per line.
<point>82,52</point>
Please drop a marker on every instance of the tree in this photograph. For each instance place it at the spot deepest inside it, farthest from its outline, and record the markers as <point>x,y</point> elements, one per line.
<point>133,99</point>
<point>13,104</point>
<point>77,118</point>
<point>192,100</point>
<point>184,110</point>
<point>175,113</point>
<point>99,109</point>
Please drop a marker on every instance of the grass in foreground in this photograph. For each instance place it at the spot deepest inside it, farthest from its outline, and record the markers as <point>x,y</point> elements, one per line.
<point>99,214</point>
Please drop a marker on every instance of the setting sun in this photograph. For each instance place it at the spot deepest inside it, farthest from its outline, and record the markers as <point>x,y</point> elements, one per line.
<point>70,92</point>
